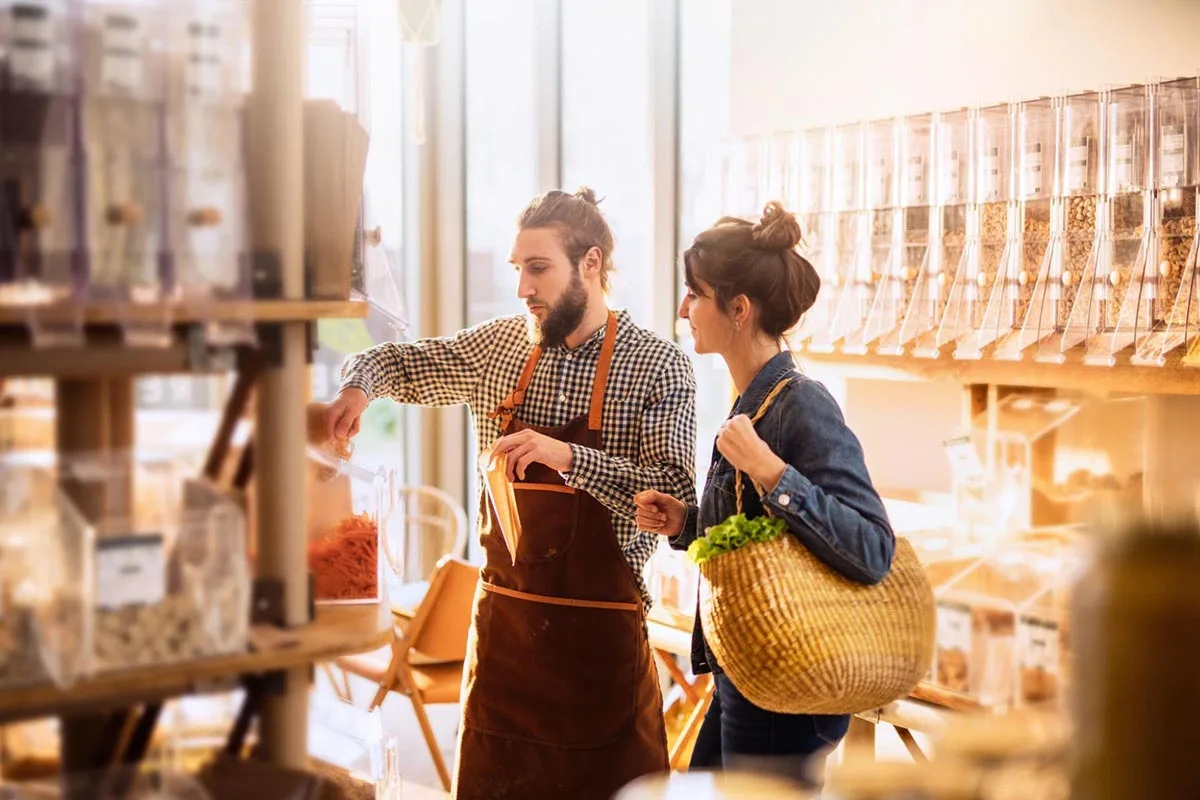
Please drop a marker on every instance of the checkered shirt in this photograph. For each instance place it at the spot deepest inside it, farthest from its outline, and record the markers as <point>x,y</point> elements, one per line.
<point>649,428</point>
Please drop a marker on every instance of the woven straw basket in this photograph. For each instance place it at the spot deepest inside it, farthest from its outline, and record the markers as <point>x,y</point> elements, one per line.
<point>796,637</point>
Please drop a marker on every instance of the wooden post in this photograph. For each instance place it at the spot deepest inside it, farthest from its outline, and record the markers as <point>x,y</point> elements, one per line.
<point>275,159</point>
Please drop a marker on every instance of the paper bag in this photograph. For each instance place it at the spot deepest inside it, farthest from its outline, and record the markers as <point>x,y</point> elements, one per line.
<point>503,498</point>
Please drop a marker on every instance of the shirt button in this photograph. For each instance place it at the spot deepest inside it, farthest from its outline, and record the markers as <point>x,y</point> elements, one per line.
<point>785,499</point>
<point>562,398</point>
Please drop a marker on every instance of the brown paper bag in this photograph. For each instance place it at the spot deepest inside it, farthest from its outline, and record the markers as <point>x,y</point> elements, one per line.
<point>503,498</point>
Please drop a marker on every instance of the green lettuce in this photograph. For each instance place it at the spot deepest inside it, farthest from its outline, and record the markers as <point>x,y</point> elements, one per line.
<point>735,532</point>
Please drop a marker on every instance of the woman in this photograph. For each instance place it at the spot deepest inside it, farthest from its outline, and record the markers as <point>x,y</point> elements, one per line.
<point>747,286</point>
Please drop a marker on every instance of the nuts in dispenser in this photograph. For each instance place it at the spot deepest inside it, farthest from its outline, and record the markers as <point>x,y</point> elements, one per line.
<point>1175,246</point>
<point>1036,240</point>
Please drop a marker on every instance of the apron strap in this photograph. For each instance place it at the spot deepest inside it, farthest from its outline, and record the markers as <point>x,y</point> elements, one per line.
<point>507,409</point>
<point>596,417</point>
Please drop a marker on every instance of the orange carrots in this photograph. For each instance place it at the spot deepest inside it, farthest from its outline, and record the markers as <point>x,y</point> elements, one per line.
<point>345,562</point>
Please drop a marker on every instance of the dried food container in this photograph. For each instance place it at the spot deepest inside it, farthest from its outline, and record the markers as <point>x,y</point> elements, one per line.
<point>840,300</point>
<point>46,579</point>
<point>884,221</point>
<point>814,207</point>
<point>1170,285</point>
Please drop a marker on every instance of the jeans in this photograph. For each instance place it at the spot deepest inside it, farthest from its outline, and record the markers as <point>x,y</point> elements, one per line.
<point>738,735</point>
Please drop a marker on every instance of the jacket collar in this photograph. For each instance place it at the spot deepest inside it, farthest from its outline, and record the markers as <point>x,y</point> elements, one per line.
<point>771,373</point>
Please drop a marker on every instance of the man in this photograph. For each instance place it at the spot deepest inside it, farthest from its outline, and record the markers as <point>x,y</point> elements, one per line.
<point>560,694</point>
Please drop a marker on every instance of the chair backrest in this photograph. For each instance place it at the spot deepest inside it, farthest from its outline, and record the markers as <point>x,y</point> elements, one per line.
<point>440,626</point>
<point>424,524</point>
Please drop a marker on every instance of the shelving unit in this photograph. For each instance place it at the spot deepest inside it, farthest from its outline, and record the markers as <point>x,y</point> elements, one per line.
<point>95,415</point>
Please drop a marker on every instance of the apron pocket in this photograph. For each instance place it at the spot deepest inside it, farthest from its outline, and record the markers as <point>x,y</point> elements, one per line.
<point>548,514</point>
<point>556,674</point>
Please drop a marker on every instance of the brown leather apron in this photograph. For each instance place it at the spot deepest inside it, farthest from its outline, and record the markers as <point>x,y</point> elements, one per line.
<point>560,694</point>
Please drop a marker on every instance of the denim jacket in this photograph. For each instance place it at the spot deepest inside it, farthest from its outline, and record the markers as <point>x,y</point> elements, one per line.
<point>825,495</point>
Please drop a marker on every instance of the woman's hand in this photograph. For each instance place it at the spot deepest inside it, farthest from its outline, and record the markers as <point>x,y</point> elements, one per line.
<point>659,513</point>
<point>745,450</point>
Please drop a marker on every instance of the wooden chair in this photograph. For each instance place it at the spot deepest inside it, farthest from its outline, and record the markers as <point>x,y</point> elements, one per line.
<point>425,663</point>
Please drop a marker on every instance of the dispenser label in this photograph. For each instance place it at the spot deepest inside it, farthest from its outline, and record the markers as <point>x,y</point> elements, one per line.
<point>991,175</point>
<point>951,173</point>
<point>914,181</point>
<point>1171,156</point>
<point>32,47</point>
<point>121,60</point>
<point>1037,643</point>
<point>130,570</point>
<point>1123,163</point>
<point>1077,165</point>
<point>1032,170</point>
<point>814,186</point>
<point>965,464</point>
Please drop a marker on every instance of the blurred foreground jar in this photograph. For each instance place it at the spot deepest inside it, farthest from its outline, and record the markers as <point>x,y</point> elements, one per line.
<point>702,785</point>
<point>1136,647</point>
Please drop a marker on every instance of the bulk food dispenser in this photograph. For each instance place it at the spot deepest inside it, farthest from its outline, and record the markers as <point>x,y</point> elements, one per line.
<point>39,237</point>
<point>915,262</point>
<point>1036,269</point>
<point>123,95</point>
<point>208,204</point>
<point>1169,291</point>
<point>839,300</point>
<point>992,281</point>
<point>1113,301</point>
<point>818,225</point>
<point>883,222</point>
<point>935,316</point>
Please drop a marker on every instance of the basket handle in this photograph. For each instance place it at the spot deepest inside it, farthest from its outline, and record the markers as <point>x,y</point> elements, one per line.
<point>759,414</point>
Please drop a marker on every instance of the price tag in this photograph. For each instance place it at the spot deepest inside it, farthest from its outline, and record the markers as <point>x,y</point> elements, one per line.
<point>130,570</point>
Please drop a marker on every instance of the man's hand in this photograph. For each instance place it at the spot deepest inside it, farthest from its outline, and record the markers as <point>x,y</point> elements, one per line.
<point>745,450</point>
<point>530,447</point>
<point>343,416</point>
<point>659,513</point>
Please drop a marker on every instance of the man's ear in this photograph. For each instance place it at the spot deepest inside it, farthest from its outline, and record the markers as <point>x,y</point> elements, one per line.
<point>592,261</point>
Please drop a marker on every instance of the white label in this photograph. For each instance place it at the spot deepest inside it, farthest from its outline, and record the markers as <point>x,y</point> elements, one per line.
<point>952,662</point>
<point>130,570</point>
<point>950,178</point>
<point>914,182</point>
<point>32,58</point>
<point>1123,163</point>
<point>991,174</point>
<point>121,61</point>
<point>1033,170</point>
<point>1077,165</point>
<point>883,199</point>
<point>964,459</point>
<point>1038,641</point>
<point>1172,156</point>
<point>847,188</point>
<point>814,184</point>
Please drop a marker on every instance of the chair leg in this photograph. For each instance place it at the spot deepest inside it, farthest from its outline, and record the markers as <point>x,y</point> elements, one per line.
<point>434,750</point>
<point>340,688</point>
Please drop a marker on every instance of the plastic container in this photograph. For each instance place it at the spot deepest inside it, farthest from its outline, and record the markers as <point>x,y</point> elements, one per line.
<point>813,192</point>
<point>674,584</point>
<point>46,579</point>
<point>124,162</point>
<point>1171,276</point>
<point>208,219</point>
<point>38,156</point>
<point>347,519</point>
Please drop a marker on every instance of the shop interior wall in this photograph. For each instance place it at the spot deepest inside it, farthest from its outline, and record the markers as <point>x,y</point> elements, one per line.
<point>803,63</point>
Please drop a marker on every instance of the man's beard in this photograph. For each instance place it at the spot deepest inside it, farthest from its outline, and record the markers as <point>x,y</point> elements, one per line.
<point>562,318</point>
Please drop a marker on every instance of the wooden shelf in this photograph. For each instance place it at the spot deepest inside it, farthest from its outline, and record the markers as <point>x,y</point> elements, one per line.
<point>336,631</point>
<point>1123,377</point>
<point>183,313</point>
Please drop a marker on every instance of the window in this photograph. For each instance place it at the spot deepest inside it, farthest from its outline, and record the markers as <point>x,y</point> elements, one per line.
<point>502,147</point>
<point>606,134</point>
<point>704,63</point>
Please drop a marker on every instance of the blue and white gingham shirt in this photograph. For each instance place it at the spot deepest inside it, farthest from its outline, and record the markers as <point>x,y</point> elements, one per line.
<point>649,428</point>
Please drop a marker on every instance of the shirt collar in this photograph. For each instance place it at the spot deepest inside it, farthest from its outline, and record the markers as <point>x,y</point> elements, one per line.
<point>771,373</point>
<point>593,342</point>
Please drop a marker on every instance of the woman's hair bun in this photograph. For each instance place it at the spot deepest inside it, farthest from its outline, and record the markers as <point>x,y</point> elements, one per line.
<point>777,231</point>
<point>587,195</point>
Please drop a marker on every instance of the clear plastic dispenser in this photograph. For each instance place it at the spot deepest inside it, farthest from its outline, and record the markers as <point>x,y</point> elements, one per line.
<point>814,207</point>
<point>1171,280</point>
<point>903,308</point>
<point>940,311</point>
<point>1114,300</point>
<point>1036,268</point>
<point>884,221</point>
<point>125,157</point>
<point>839,300</point>
<point>39,232</point>
<point>211,259</point>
